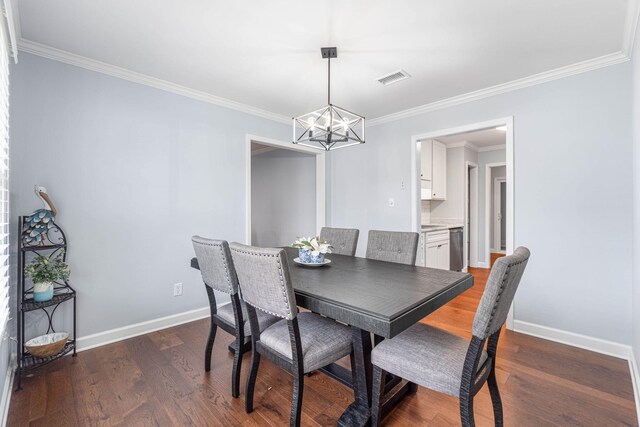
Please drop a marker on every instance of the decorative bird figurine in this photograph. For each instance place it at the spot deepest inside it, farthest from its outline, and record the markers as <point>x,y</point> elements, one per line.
<point>36,225</point>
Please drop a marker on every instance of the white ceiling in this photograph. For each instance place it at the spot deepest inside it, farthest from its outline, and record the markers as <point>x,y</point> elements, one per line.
<point>267,54</point>
<point>480,138</point>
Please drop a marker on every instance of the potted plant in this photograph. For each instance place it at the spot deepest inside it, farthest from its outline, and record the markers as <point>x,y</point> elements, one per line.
<point>44,271</point>
<point>311,250</point>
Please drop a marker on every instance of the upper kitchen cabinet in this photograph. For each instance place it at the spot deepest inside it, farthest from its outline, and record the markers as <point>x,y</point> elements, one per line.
<point>433,170</point>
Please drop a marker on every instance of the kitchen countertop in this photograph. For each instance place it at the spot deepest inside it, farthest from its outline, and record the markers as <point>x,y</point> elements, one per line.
<point>438,227</point>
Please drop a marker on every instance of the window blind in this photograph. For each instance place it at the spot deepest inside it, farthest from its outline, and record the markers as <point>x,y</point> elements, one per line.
<point>4,178</point>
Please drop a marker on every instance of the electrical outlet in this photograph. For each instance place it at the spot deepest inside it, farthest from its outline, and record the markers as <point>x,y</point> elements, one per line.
<point>392,202</point>
<point>177,289</point>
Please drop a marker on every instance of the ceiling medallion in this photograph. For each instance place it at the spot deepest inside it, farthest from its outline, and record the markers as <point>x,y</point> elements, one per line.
<point>329,127</point>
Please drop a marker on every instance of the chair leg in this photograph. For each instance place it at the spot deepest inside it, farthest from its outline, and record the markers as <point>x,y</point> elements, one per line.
<point>495,398</point>
<point>378,391</point>
<point>466,411</point>
<point>296,403</point>
<point>209,348</point>
<point>251,381</point>
<point>237,367</point>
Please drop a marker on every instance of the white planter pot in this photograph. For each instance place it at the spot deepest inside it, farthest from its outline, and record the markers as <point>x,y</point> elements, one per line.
<point>42,291</point>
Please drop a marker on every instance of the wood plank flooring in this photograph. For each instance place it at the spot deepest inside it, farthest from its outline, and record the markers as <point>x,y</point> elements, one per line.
<point>495,256</point>
<point>159,379</point>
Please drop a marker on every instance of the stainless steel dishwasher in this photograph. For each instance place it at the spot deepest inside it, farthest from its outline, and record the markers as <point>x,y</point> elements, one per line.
<point>456,249</point>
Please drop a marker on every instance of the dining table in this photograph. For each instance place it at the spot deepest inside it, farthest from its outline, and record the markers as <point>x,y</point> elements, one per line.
<point>375,299</point>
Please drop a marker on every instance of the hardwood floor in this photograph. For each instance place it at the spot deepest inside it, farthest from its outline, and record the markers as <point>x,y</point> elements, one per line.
<point>159,379</point>
<point>495,256</point>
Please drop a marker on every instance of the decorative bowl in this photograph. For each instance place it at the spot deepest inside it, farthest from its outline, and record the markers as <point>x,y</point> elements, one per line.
<point>306,256</point>
<point>47,345</point>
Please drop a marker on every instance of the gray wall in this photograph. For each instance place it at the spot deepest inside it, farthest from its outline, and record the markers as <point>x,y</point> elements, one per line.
<point>636,196</point>
<point>134,172</point>
<point>566,133</point>
<point>283,197</point>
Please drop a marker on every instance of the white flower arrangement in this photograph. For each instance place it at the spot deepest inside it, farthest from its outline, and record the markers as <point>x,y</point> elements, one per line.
<point>313,244</point>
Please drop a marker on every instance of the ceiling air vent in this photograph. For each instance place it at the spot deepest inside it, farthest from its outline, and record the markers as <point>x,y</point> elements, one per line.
<point>394,77</point>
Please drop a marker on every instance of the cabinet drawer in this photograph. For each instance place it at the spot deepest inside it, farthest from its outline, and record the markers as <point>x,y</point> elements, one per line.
<point>437,236</point>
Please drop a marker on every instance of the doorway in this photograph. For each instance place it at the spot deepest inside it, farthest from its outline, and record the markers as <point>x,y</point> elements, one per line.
<point>506,126</point>
<point>285,192</point>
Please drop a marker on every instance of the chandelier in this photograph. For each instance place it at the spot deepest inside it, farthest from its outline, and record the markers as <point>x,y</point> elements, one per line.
<point>330,127</point>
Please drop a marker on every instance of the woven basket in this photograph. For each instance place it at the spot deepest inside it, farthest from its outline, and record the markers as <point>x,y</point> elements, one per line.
<point>47,345</point>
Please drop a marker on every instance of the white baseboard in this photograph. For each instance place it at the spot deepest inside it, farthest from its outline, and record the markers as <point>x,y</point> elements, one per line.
<point>481,264</point>
<point>635,379</point>
<point>598,345</point>
<point>7,391</point>
<point>130,331</point>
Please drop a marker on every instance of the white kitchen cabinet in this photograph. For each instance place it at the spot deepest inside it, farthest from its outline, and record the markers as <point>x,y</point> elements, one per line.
<point>433,170</point>
<point>439,171</point>
<point>444,256</point>
<point>436,251</point>
<point>431,255</point>
<point>426,160</point>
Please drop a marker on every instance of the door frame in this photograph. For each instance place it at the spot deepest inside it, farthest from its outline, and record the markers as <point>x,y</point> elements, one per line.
<point>470,253</point>
<point>497,198</point>
<point>320,178</point>
<point>415,148</point>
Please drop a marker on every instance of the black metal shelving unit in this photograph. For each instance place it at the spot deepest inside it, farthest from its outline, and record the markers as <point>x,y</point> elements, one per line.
<point>54,243</point>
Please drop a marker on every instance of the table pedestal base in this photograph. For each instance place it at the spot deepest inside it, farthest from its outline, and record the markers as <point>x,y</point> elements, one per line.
<point>355,415</point>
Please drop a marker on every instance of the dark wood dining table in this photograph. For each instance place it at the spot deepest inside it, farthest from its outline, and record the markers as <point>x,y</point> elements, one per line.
<point>372,297</point>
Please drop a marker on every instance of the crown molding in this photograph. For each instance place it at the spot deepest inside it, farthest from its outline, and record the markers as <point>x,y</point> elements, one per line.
<point>132,76</point>
<point>474,147</point>
<point>544,77</point>
<point>492,148</point>
<point>630,27</point>
<point>12,17</point>
<point>458,144</point>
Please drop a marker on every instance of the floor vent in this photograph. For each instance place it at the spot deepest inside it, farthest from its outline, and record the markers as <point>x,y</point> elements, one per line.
<point>394,77</point>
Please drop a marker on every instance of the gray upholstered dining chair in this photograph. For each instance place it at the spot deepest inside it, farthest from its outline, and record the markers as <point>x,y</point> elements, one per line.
<point>300,342</point>
<point>343,241</point>
<point>393,246</point>
<point>444,362</point>
<point>218,273</point>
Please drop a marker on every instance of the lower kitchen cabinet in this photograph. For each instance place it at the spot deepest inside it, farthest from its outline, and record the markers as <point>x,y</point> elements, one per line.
<point>436,250</point>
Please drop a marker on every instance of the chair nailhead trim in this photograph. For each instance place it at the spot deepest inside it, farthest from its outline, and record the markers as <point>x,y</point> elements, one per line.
<point>226,270</point>
<point>500,290</point>
<point>284,291</point>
